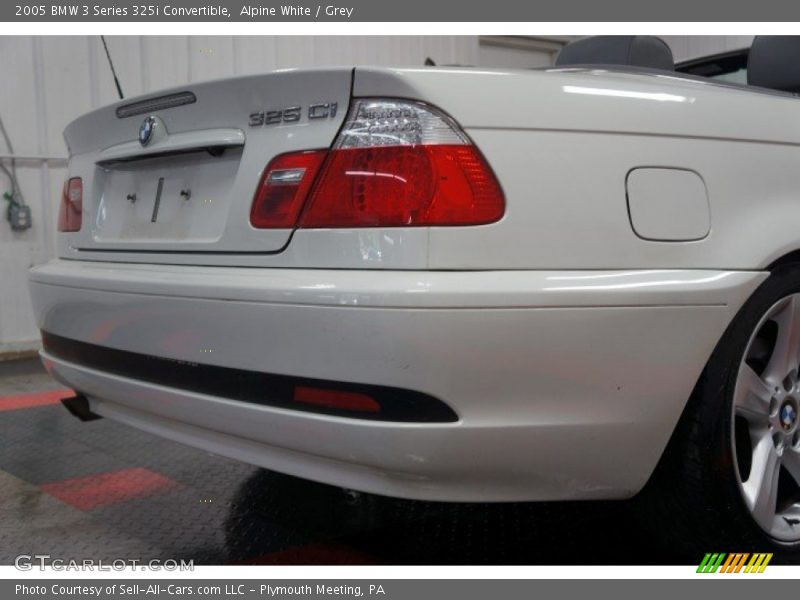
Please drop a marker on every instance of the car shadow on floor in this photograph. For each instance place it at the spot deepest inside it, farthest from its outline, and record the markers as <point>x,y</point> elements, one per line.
<point>367,528</point>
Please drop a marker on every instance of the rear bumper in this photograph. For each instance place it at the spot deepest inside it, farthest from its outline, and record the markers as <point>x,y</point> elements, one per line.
<point>565,384</point>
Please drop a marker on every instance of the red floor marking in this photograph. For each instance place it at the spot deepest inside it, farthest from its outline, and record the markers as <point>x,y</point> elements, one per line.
<point>103,489</point>
<point>315,554</point>
<point>35,399</point>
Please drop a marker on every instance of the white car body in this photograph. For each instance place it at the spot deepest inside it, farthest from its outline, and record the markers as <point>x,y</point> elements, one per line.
<point>642,210</point>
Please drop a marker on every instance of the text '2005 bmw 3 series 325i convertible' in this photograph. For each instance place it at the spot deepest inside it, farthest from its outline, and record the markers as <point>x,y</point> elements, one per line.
<point>454,284</point>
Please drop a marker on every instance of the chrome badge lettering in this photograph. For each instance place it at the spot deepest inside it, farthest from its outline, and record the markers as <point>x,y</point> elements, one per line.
<point>293,114</point>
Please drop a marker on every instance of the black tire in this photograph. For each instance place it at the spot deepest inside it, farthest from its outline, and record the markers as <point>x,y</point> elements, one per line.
<point>693,501</point>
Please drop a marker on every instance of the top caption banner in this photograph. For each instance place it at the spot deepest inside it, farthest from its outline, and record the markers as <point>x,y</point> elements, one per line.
<point>405,11</point>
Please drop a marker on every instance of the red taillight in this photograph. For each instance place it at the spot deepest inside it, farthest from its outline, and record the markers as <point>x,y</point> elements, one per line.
<point>395,163</point>
<point>283,189</point>
<point>70,213</point>
<point>409,185</point>
<point>353,401</point>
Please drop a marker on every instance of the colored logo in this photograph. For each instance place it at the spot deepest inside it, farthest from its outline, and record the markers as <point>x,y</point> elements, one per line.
<point>738,562</point>
<point>146,130</point>
<point>788,416</point>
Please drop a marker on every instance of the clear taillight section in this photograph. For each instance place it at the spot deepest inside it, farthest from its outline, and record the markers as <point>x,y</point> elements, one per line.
<point>375,123</point>
<point>394,164</point>
<point>70,214</point>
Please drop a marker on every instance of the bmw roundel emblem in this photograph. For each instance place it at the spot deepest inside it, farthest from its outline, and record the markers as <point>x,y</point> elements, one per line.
<point>788,416</point>
<point>146,130</point>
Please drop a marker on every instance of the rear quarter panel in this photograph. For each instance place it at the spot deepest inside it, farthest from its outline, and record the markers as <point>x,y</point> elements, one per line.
<point>562,143</point>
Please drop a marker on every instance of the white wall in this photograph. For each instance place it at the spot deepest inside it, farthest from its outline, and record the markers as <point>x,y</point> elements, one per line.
<point>540,51</point>
<point>522,52</point>
<point>48,81</point>
<point>691,46</point>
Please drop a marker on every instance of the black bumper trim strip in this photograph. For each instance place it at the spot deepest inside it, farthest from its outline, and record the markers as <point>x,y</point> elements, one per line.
<point>252,387</point>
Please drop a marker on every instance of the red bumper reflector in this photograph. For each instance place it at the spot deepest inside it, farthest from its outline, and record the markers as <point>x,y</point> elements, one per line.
<point>353,401</point>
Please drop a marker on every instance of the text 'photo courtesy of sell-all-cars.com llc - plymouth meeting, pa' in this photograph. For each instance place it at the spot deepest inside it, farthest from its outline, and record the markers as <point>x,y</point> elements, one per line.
<point>397,288</point>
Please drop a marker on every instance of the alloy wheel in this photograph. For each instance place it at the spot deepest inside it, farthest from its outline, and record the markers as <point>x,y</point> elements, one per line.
<point>766,428</point>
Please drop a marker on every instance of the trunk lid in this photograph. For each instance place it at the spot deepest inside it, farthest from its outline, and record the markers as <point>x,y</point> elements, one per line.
<point>175,172</point>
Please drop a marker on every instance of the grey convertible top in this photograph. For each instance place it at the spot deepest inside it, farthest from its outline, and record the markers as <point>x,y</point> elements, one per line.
<point>774,62</point>
<point>631,50</point>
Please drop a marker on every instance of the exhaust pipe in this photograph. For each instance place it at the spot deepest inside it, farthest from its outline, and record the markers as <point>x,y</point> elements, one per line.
<point>78,406</point>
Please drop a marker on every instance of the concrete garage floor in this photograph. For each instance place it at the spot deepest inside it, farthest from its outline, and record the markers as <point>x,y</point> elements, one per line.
<point>77,490</point>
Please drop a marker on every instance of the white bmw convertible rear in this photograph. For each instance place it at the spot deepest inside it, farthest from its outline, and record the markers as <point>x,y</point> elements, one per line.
<point>454,284</point>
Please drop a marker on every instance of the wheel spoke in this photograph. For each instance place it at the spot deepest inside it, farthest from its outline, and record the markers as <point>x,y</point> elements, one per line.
<point>787,344</point>
<point>791,460</point>
<point>753,396</point>
<point>761,488</point>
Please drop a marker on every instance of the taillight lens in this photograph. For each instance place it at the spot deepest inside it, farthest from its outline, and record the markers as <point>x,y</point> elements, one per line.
<point>395,163</point>
<point>70,214</point>
<point>283,189</point>
<point>400,164</point>
<point>395,186</point>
